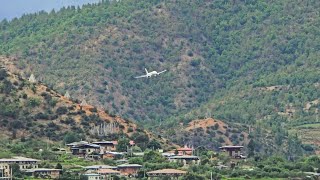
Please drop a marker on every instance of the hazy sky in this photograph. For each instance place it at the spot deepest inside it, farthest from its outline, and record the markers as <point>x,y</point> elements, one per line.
<point>10,9</point>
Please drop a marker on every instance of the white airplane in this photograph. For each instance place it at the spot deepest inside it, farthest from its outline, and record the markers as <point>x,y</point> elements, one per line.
<point>149,74</point>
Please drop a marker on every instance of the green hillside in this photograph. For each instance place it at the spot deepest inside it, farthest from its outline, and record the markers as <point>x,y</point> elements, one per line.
<point>33,111</point>
<point>251,62</point>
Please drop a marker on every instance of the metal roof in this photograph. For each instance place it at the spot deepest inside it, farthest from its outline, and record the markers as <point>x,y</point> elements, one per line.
<point>167,171</point>
<point>226,147</point>
<point>184,157</point>
<point>130,165</point>
<point>100,167</point>
<point>88,144</point>
<point>92,174</point>
<point>108,171</point>
<point>76,143</point>
<point>103,142</point>
<point>17,158</point>
<point>41,169</point>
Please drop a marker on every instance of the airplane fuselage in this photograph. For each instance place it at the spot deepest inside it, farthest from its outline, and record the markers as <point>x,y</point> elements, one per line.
<point>152,73</point>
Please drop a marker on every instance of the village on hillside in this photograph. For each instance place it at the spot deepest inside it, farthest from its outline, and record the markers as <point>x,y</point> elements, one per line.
<point>112,160</point>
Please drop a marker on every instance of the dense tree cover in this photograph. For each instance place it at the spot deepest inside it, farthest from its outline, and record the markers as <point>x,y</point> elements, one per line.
<point>223,58</point>
<point>122,145</point>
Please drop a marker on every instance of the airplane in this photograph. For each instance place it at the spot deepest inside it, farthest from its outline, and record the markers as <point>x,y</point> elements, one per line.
<point>149,74</point>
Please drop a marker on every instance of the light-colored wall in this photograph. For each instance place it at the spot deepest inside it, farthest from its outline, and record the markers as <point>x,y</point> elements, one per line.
<point>22,164</point>
<point>6,169</point>
<point>93,177</point>
<point>52,174</point>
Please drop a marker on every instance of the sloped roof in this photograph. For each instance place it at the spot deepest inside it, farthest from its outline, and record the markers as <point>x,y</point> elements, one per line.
<point>105,142</point>
<point>17,158</point>
<point>132,142</point>
<point>108,171</point>
<point>77,143</point>
<point>129,165</point>
<point>167,171</point>
<point>92,174</point>
<point>230,147</point>
<point>100,167</point>
<point>41,169</point>
<point>184,149</point>
<point>184,157</point>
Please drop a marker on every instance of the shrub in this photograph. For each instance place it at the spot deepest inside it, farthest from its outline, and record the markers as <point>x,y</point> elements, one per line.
<point>307,168</point>
<point>193,176</point>
<point>3,74</point>
<point>221,140</point>
<point>136,160</point>
<point>53,102</point>
<point>190,53</point>
<point>62,110</point>
<point>24,96</point>
<point>216,126</point>
<point>71,137</point>
<point>33,102</point>
<point>307,147</point>
<point>41,116</point>
<point>130,129</point>
<point>195,62</point>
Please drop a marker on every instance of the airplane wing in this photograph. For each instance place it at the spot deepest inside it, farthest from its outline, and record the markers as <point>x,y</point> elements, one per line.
<point>141,76</point>
<point>162,71</point>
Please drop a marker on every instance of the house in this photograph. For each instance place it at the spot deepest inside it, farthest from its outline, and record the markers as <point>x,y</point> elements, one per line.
<point>59,150</point>
<point>84,149</point>
<point>167,173</point>
<point>185,151</point>
<point>96,168</point>
<point>112,155</point>
<point>76,143</point>
<point>44,173</point>
<point>92,176</point>
<point>233,151</point>
<point>168,154</point>
<point>24,163</point>
<point>106,145</point>
<point>108,173</point>
<point>132,143</point>
<point>186,160</point>
<point>130,170</point>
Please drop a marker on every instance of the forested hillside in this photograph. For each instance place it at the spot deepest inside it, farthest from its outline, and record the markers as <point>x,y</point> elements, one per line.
<point>30,110</point>
<point>251,62</point>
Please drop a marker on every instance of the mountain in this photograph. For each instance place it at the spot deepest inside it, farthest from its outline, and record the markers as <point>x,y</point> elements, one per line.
<point>249,62</point>
<point>30,109</point>
<point>16,8</point>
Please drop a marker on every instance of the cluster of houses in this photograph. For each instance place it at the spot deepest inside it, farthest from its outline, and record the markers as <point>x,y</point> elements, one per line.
<point>106,172</point>
<point>96,150</point>
<point>27,165</point>
<point>107,150</point>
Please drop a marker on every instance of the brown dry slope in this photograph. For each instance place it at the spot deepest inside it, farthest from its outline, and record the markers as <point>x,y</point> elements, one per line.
<point>212,133</point>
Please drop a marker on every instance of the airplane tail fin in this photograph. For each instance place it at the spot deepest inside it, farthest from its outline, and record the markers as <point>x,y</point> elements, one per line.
<point>146,70</point>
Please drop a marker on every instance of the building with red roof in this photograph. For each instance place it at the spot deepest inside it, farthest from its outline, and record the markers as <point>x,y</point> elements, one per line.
<point>185,151</point>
